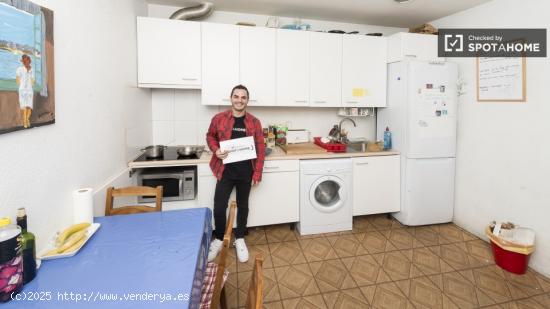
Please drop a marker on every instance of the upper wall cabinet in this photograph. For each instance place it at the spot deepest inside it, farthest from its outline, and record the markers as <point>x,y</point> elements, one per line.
<point>416,46</point>
<point>364,71</point>
<point>169,53</point>
<point>257,64</point>
<point>325,70</point>
<point>220,62</point>
<point>292,68</point>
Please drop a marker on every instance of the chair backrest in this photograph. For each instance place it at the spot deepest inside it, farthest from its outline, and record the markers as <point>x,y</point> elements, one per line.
<point>132,191</point>
<point>216,296</point>
<point>254,300</point>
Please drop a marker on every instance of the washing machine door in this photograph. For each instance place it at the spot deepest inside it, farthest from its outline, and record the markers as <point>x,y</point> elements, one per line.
<point>328,194</point>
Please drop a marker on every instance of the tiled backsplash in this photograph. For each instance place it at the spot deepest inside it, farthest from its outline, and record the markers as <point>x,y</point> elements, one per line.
<point>179,118</point>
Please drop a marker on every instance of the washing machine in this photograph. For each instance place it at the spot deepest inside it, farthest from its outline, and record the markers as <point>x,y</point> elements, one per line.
<point>325,196</point>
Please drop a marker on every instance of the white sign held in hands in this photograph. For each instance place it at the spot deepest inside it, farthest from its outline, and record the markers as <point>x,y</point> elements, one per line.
<point>239,149</point>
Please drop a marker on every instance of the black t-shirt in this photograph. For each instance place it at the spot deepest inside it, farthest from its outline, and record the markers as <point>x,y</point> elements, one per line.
<point>241,169</point>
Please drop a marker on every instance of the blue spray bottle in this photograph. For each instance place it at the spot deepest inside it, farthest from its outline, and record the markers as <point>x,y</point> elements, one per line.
<point>387,139</point>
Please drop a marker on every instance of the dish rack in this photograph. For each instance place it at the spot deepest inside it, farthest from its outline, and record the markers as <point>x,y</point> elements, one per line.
<point>332,147</point>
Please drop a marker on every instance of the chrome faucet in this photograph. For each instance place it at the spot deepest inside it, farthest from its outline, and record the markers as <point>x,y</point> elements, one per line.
<point>344,138</point>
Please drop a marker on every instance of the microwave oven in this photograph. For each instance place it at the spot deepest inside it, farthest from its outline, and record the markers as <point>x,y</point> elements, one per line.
<point>178,183</point>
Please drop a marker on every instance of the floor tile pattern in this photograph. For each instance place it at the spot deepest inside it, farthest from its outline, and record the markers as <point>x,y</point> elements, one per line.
<point>381,264</point>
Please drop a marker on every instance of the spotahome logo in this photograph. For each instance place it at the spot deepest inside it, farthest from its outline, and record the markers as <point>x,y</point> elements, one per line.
<point>492,43</point>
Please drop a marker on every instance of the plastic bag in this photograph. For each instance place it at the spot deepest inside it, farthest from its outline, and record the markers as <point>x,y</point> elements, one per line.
<point>516,239</point>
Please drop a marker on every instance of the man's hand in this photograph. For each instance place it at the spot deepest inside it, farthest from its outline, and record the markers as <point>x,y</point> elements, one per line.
<point>221,154</point>
<point>255,183</point>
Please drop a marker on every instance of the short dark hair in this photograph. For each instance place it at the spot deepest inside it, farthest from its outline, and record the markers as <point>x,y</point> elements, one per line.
<point>240,87</point>
<point>25,56</point>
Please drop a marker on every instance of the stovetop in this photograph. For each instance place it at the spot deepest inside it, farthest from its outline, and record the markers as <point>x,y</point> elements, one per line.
<point>170,154</point>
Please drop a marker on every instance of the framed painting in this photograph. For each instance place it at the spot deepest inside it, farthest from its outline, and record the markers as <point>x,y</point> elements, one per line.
<point>27,84</point>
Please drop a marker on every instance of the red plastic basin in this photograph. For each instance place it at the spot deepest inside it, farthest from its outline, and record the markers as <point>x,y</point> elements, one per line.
<point>511,261</point>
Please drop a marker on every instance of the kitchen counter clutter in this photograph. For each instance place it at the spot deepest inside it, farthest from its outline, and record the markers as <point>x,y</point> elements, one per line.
<point>276,154</point>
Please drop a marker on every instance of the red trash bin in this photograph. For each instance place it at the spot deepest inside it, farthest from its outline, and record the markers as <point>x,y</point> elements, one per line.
<point>513,257</point>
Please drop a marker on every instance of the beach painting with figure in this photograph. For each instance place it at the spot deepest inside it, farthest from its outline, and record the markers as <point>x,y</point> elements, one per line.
<point>27,97</point>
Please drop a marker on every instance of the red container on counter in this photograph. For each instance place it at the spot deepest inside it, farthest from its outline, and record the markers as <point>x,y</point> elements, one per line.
<point>332,147</point>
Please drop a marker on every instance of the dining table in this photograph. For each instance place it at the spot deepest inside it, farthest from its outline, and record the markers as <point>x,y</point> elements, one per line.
<point>146,260</point>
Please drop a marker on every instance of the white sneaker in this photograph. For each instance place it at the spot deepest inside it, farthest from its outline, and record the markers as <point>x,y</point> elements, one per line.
<point>242,251</point>
<point>215,248</point>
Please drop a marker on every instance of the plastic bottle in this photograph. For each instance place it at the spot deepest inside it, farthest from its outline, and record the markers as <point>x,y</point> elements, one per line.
<point>28,247</point>
<point>387,139</point>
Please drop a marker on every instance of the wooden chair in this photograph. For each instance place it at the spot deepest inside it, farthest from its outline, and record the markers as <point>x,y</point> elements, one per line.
<point>132,191</point>
<point>218,294</point>
<point>254,300</point>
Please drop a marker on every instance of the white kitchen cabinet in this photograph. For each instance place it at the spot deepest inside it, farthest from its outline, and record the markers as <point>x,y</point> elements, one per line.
<point>364,71</point>
<point>206,186</point>
<point>275,200</point>
<point>376,185</point>
<point>169,53</point>
<point>325,70</point>
<point>220,62</point>
<point>415,46</point>
<point>292,68</point>
<point>257,64</point>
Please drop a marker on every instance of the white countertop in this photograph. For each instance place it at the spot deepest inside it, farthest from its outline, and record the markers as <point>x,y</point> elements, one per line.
<point>276,154</point>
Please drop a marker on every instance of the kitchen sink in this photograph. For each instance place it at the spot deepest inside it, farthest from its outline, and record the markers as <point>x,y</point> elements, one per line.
<point>356,145</point>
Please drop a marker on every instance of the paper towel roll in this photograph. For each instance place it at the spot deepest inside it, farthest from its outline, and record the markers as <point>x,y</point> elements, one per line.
<point>83,206</point>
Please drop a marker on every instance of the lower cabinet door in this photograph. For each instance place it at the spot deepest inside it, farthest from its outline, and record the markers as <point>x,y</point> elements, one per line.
<point>376,185</point>
<point>276,200</point>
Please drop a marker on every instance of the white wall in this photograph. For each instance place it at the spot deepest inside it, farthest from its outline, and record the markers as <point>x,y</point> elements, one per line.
<point>179,118</point>
<point>100,115</point>
<point>163,11</point>
<point>503,163</point>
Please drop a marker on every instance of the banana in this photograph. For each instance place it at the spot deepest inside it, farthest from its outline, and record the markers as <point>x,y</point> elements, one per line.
<point>51,252</point>
<point>73,239</point>
<point>70,230</point>
<point>76,245</point>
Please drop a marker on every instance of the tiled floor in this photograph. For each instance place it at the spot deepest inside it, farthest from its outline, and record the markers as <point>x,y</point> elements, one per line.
<point>381,264</point>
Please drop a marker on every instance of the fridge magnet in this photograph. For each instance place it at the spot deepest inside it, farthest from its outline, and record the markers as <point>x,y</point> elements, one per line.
<point>441,88</point>
<point>429,86</point>
<point>27,97</point>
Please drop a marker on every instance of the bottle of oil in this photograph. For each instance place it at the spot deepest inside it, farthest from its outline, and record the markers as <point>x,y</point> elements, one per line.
<point>28,247</point>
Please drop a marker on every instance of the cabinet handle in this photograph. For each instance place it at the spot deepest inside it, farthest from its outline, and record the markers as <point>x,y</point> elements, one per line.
<point>362,163</point>
<point>225,100</point>
<point>354,102</point>
<point>300,101</point>
<point>186,78</point>
<point>320,102</point>
<point>252,100</point>
<point>410,56</point>
<point>271,167</point>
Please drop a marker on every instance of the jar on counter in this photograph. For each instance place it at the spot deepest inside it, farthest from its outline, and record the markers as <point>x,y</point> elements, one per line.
<point>11,261</point>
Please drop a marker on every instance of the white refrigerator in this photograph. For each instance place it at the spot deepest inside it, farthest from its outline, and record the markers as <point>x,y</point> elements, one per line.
<point>421,113</point>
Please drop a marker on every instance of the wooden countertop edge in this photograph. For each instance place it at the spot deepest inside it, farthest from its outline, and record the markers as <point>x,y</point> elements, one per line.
<point>278,154</point>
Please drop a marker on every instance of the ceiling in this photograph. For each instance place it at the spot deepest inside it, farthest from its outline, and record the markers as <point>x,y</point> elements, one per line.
<point>372,12</point>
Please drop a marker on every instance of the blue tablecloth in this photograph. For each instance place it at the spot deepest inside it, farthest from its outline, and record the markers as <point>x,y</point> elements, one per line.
<point>152,260</point>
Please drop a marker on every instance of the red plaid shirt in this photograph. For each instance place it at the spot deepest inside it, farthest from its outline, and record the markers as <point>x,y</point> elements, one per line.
<point>220,130</point>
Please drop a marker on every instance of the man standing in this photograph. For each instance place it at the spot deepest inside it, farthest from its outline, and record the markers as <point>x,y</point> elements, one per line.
<point>234,123</point>
<point>24,77</point>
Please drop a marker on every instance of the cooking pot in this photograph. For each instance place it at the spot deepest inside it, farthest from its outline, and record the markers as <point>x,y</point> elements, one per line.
<point>154,151</point>
<point>190,150</point>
